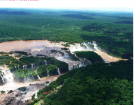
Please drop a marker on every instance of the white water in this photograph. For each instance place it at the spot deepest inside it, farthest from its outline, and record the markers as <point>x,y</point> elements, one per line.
<point>37,75</point>
<point>83,47</point>
<point>7,76</point>
<point>48,73</point>
<point>32,66</point>
<point>58,71</point>
<point>24,66</point>
<point>45,62</point>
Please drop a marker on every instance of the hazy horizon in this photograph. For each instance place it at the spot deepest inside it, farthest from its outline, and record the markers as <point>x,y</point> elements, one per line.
<point>80,9</point>
<point>100,5</point>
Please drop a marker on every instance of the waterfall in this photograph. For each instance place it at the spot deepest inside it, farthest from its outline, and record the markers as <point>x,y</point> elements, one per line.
<point>32,66</point>
<point>2,78</point>
<point>45,62</point>
<point>24,66</point>
<point>28,78</point>
<point>7,76</point>
<point>81,64</point>
<point>69,68</point>
<point>78,65</point>
<point>25,79</point>
<point>37,75</point>
<point>48,73</point>
<point>35,95</point>
<point>95,46</point>
<point>58,71</point>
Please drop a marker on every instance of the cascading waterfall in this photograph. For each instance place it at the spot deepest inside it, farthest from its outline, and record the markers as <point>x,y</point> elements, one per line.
<point>32,65</point>
<point>32,76</point>
<point>37,75</point>
<point>69,68</point>
<point>24,66</point>
<point>48,73</point>
<point>81,64</point>
<point>7,76</point>
<point>95,46</point>
<point>2,78</point>
<point>45,62</point>
<point>25,79</point>
<point>58,71</point>
<point>35,95</point>
<point>84,46</point>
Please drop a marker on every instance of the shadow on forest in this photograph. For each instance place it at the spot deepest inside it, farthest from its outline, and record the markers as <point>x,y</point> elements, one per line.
<point>80,16</point>
<point>13,12</point>
<point>125,22</point>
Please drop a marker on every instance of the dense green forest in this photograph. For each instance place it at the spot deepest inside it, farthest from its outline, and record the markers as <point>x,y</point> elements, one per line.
<point>91,56</point>
<point>112,31</point>
<point>16,66</point>
<point>96,84</point>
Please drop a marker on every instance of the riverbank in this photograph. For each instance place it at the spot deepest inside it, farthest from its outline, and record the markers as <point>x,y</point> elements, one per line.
<point>18,96</point>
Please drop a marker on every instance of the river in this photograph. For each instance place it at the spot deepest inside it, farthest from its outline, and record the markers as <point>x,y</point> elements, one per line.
<point>44,47</point>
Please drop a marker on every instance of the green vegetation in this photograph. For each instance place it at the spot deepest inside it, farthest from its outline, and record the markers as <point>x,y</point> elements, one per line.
<point>6,60</point>
<point>52,69</point>
<point>20,74</point>
<point>41,70</point>
<point>66,45</point>
<point>112,31</point>
<point>37,102</point>
<point>23,89</point>
<point>91,56</point>
<point>94,84</point>
<point>2,92</point>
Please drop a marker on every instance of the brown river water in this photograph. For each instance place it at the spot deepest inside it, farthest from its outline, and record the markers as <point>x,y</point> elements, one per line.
<point>26,45</point>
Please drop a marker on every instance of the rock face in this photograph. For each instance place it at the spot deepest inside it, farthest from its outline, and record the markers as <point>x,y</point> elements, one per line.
<point>6,75</point>
<point>21,95</point>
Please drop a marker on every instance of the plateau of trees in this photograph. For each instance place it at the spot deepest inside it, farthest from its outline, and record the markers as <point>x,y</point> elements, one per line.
<point>91,56</point>
<point>94,84</point>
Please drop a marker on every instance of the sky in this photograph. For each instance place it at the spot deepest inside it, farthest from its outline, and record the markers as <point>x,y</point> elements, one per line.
<point>113,5</point>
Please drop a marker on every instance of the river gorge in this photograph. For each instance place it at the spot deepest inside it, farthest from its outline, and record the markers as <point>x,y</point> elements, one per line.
<point>45,48</point>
